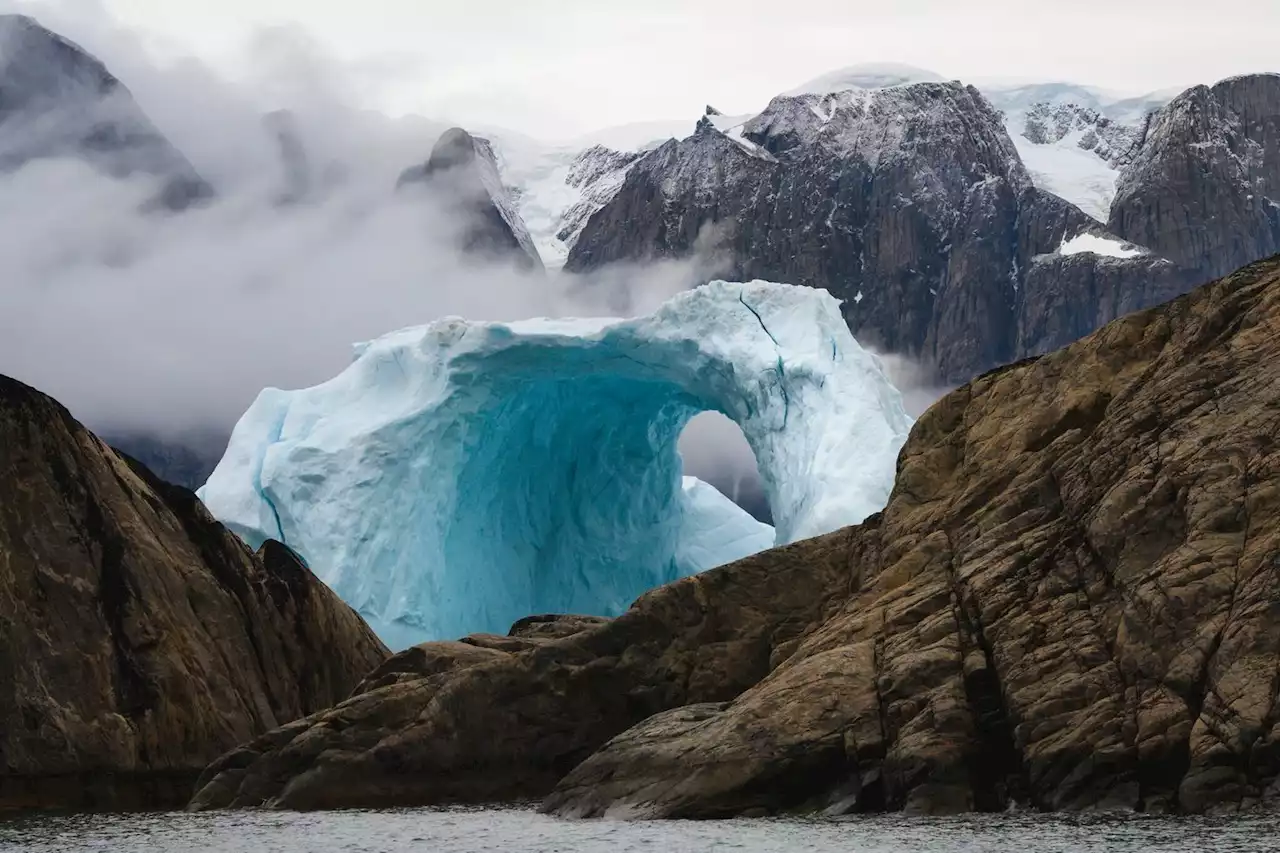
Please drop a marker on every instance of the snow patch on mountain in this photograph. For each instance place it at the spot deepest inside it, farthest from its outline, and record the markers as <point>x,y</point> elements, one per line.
<point>556,189</point>
<point>1076,174</point>
<point>1075,140</point>
<point>1099,245</point>
<point>460,475</point>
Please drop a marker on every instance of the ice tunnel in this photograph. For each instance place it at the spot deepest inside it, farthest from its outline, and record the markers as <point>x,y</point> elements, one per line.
<point>461,475</point>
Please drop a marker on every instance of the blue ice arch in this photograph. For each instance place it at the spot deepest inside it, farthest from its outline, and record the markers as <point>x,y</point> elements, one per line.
<point>461,475</point>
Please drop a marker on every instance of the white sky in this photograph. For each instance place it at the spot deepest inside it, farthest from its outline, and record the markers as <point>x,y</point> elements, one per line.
<point>557,68</point>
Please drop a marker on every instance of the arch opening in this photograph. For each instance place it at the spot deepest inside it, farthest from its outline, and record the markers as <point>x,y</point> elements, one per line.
<point>716,451</point>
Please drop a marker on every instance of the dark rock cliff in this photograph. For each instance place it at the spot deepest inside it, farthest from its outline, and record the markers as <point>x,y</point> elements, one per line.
<point>462,177</point>
<point>909,203</point>
<point>1072,600</point>
<point>56,100</point>
<point>1204,189</point>
<point>139,639</point>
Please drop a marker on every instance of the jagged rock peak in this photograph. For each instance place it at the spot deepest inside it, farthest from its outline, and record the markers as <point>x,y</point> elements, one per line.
<point>455,147</point>
<point>1114,142</point>
<point>1204,188</point>
<point>462,173</point>
<point>712,111</point>
<point>58,100</point>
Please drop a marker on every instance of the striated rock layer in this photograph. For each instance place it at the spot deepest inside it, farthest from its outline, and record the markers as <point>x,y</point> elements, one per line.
<point>139,639</point>
<point>1072,600</point>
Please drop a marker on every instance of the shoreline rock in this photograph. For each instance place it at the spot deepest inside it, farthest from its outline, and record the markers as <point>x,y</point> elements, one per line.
<point>139,638</point>
<point>1069,603</point>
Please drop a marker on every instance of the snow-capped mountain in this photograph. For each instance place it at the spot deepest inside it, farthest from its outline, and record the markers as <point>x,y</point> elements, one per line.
<point>1073,140</point>
<point>909,201</point>
<point>557,187</point>
<point>883,149</point>
<point>874,181</point>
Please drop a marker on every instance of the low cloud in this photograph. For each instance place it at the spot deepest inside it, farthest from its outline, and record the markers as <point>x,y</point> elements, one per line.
<point>918,385</point>
<point>173,323</point>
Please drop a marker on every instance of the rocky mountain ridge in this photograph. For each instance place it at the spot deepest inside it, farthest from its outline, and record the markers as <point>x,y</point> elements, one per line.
<point>1204,188</point>
<point>58,100</point>
<point>138,637</point>
<point>910,203</point>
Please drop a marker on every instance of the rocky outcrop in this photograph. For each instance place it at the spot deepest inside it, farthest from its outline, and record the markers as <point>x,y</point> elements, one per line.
<point>56,100</point>
<point>462,177</point>
<point>1065,297</point>
<point>596,174</point>
<point>1069,602</point>
<point>1204,190</point>
<point>1113,142</point>
<point>910,203</point>
<point>139,639</point>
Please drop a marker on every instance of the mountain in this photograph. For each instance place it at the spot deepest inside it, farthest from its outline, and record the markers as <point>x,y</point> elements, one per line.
<point>908,202</point>
<point>937,211</point>
<point>462,175</point>
<point>1204,187</point>
<point>185,460</point>
<point>140,638</point>
<point>1068,603</point>
<point>56,100</point>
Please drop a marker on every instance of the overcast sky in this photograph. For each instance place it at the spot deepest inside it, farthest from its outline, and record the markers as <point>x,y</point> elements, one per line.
<point>558,68</point>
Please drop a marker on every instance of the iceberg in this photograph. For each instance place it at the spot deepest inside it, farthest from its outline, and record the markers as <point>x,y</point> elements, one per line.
<point>458,476</point>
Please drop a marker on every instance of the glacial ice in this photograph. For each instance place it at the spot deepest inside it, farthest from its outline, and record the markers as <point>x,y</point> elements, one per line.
<point>460,475</point>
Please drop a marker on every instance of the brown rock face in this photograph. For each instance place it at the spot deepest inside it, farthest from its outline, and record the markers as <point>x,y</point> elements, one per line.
<point>138,638</point>
<point>1071,601</point>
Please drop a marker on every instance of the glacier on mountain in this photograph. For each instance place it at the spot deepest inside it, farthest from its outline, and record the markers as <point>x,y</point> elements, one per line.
<point>461,475</point>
